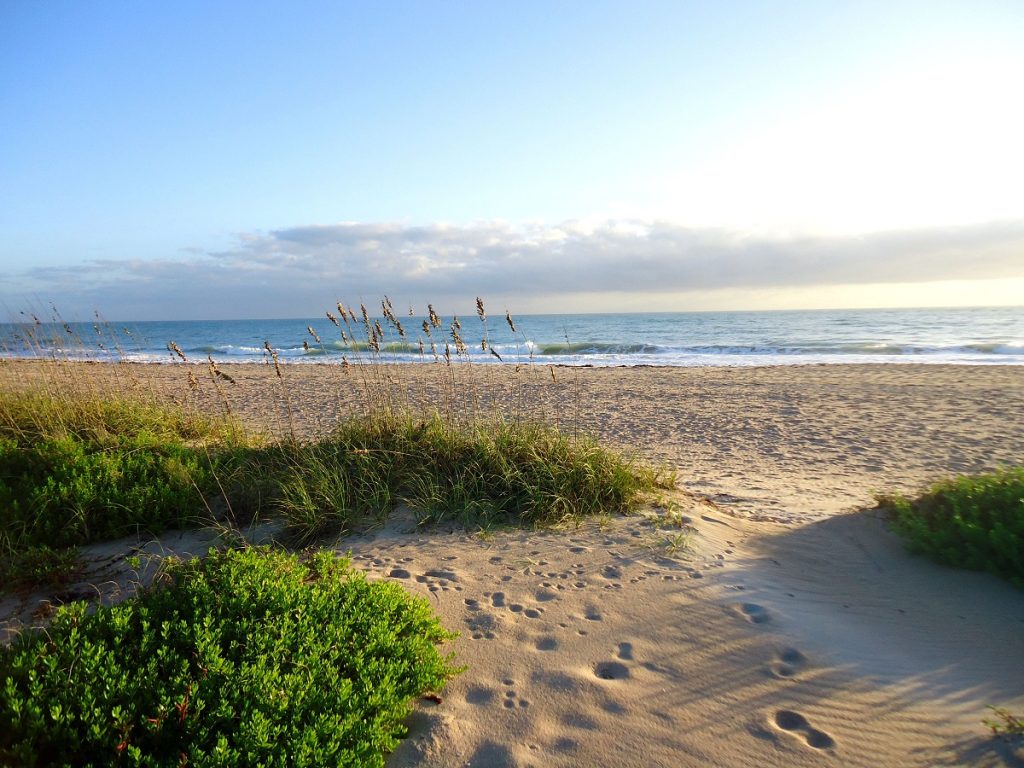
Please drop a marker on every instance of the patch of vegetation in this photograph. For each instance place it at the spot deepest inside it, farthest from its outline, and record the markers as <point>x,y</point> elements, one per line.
<point>38,564</point>
<point>1004,723</point>
<point>974,522</point>
<point>479,474</point>
<point>79,470</point>
<point>247,657</point>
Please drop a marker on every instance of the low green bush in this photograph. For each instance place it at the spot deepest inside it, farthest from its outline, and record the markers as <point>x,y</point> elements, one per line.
<point>75,471</point>
<point>974,522</point>
<point>247,657</point>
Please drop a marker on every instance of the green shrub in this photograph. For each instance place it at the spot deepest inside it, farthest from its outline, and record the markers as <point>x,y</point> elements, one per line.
<point>974,522</point>
<point>38,564</point>
<point>78,471</point>
<point>245,658</point>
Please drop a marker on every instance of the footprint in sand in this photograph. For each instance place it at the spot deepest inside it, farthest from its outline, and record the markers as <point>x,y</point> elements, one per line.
<point>498,599</point>
<point>479,694</point>
<point>752,612</point>
<point>788,663</point>
<point>512,699</point>
<point>611,670</point>
<point>795,723</point>
<point>546,644</point>
<point>625,651</point>
<point>399,573</point>
<point>482,626</point>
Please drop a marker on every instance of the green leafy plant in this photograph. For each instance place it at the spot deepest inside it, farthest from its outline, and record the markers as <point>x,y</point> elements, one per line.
<point>248,657</point>
<point>76,470</point>
<point>974,522</point>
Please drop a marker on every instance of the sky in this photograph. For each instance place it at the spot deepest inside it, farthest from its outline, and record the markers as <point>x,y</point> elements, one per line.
<point>196,160</point>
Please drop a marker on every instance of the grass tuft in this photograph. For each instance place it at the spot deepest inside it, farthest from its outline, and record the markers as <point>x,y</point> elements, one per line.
<point>478,474</point>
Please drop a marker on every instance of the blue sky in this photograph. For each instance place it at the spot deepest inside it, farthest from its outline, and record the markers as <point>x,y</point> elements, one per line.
<point>195,159</point>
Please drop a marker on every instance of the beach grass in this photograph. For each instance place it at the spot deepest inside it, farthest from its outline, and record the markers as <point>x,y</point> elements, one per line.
<point>970,521</point>
<point>87,453</point>
<point>479,474</point>
<point>250,656</point>
<point>246,657</point>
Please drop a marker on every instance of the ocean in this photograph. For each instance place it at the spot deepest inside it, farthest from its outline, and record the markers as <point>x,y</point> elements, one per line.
<point>973,336</point>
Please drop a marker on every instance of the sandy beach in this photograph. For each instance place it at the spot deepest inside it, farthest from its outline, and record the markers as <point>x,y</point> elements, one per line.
<point>790,629</point>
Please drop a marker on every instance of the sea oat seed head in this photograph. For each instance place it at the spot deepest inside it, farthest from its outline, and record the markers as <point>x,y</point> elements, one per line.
<point>480,310</point>
<point>508,319</point>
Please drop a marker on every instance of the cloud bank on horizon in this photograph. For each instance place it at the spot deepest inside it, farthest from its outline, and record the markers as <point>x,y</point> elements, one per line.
<point>572,266</point>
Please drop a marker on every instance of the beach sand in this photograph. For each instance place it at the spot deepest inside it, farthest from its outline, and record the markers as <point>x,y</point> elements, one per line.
<point>791,629</point>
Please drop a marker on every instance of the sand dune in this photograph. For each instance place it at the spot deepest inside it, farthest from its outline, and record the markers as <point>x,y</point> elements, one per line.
<point>793,630</point>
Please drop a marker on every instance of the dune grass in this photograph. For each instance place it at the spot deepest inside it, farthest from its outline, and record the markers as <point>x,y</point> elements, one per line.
<point>87,453</point>
<point>251,657</point>
<point>247,657</point>
<point>974,522</point>
<point>479,474</point>
<point>78,471</point>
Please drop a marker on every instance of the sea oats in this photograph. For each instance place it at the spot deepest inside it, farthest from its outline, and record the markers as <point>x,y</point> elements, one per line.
<point>218,373</point>
<point>508,319</point>
<point>177,350</point>
<point>313,333</point>
<point>273,355</point>
<point>333,319</point>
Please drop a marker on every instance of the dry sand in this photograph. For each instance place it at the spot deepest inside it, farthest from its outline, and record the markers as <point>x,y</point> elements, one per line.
<point>792,630</point>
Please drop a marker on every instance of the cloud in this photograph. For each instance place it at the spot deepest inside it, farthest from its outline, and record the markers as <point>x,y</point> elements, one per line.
<point>295,271</point>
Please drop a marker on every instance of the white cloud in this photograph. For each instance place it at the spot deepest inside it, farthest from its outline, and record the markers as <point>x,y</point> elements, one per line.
<point>296,271</point>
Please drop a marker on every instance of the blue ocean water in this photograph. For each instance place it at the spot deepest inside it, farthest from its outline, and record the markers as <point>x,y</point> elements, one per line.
<point>977,336</point>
